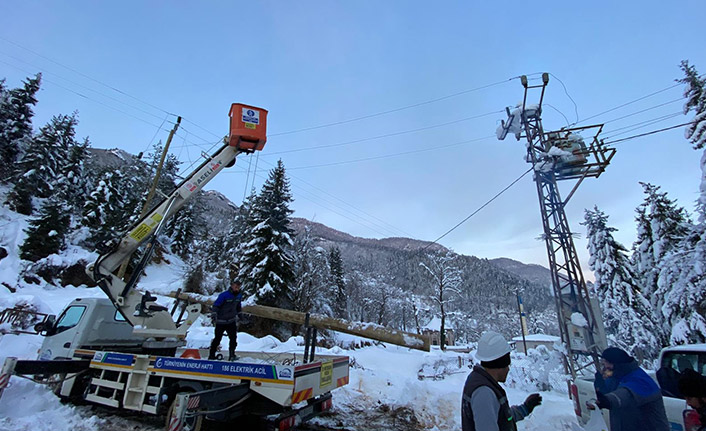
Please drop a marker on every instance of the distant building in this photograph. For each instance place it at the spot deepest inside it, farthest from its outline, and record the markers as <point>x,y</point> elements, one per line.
<point>433,331</point>
<point>534,340</point>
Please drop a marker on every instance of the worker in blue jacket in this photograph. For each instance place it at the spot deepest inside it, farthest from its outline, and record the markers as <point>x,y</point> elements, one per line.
<point>633,398</point>
<point>225,315</point>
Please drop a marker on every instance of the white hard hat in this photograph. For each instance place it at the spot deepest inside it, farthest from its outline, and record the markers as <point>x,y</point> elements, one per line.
<point>492,346</point>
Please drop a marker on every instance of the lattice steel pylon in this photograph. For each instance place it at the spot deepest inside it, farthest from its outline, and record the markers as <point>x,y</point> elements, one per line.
<point>556,156</point>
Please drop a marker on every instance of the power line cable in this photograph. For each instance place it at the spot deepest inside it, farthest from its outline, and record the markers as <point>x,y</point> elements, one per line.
<point>377,114</point>
<point>386,225</point>
<point>365,159</point>
<point>86,76</point>
<point>629,103</point>
<point>562,114</point>
<point>388,135</point>
<point>649,133</point>
<point>576,107</point>
<point>44,71</point>
<point>644,110</point>
<point>358,221</point>
<point>85,97</point>
<point>629,128</point>
<point>479,209</point>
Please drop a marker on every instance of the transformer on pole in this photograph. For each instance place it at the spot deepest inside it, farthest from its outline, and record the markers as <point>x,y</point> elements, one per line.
<point>557,156</point>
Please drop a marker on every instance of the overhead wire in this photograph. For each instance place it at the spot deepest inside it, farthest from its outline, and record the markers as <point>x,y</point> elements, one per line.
<point>649,133</point>
<point>358,221</point>
<point>497,195</point>
<point>629,103</point>
<point>86,97</point>
<point>87,76</point>
<point>576,108</point>
<point>385,156</point>
<point>388,225</point>
<point>561,113</point>
<point>44,72</point>
<point>640,124</point>
<point>643,125</point>
<point>402,108</point>
<point>644,110</point>
<point>387,135</point>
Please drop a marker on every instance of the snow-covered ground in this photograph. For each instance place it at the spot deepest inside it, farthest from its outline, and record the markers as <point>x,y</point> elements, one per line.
<point>382,378</point>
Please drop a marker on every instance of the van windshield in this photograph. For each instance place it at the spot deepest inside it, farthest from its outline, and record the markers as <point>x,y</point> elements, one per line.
<point>673,365</point>
<point>681,361</point>
<point>70,318</point>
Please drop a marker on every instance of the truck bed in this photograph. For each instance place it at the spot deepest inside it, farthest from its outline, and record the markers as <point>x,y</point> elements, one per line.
<point>280,377</point>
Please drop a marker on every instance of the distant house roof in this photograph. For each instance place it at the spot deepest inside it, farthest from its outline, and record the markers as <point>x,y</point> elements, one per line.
<point>539,337</point>
<point>435,325</point>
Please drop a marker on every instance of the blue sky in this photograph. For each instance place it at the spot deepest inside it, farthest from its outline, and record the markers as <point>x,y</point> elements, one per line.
<point>314,63</point>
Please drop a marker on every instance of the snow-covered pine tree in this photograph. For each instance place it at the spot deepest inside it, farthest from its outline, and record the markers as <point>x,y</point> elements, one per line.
<point>235,240</point>
<point>338,283</point>
<point>310,288</point>
<point>661,226</point>
<point>47,232</point>
<point>104,207</point>
<point>16,122</point>
<point>266,266</point>
<point>695,94</point>
<point>182,229</point>
<point>72,182</point>
<point>168,173</point>
<point>444,275</point>
<point>626,313</point>
<point>47,154</point>
<point>683,276</point>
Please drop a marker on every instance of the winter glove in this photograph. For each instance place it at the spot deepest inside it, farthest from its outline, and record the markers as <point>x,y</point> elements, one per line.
<point>602,401</point>
<point>532,401</point>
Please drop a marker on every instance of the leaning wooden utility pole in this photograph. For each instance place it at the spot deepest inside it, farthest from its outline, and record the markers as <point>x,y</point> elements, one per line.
<point>153,189</point>
<point>366,330</point>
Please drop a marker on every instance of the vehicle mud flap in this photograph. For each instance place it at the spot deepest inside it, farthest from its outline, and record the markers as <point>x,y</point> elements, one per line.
<point>176,419</point>
<point>8,369</point>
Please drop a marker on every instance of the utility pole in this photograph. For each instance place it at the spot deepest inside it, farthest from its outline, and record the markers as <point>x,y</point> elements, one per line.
<point>155,181</point>
<point>555,156</point>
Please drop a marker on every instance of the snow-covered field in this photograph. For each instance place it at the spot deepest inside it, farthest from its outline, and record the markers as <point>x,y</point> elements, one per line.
<point>383,378</point>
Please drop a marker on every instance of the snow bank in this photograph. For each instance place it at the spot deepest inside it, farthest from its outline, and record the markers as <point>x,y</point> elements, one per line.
<point>40,410</point>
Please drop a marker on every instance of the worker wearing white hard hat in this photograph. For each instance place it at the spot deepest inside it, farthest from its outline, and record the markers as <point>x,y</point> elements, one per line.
<point>484,406</point>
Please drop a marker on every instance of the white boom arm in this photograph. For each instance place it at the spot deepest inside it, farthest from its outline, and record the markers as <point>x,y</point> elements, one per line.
<point>148,318</point>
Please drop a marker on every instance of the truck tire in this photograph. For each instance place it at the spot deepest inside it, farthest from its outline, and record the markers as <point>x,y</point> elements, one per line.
<point>192,423</point>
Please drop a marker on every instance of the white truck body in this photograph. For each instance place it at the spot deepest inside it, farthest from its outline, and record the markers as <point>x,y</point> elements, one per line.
<point>677,358</point>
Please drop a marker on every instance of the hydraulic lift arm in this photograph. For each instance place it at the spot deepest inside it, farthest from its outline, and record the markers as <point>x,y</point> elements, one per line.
<point>247,134</point>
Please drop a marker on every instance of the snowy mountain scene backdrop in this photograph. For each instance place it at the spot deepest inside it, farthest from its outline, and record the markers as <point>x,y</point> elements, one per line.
<point>64,202</point>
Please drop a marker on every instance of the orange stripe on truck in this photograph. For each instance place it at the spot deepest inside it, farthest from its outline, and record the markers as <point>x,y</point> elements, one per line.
<point>342,381</point>
<point>300,396</point>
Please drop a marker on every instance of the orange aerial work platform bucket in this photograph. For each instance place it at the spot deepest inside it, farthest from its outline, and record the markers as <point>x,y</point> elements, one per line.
<point>248,127</point>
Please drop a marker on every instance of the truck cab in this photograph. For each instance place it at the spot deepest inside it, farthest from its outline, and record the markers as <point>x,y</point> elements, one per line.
<point>95,324</point>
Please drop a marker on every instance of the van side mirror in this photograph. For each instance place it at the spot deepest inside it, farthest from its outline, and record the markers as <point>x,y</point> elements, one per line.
<point>46,326</point>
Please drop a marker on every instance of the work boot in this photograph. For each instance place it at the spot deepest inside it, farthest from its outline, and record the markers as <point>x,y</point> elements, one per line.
<point>232,357</point>
<point>212,352</point>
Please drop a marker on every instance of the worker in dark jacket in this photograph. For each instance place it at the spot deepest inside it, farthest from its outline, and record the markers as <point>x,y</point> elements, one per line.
<point>633,398</point>
<point>693,386</point>
<point>484,406</point>
<point>225,315</point>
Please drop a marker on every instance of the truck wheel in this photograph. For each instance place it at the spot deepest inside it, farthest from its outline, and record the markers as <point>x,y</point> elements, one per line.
<point>191,423</point>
